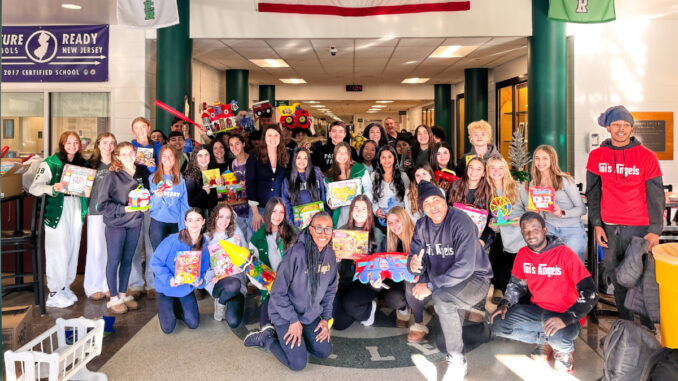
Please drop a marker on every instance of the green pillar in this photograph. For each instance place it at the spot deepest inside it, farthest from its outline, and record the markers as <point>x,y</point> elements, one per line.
<point>173,67</point>
<point>238,87</point>
<point>547,84</point>
<point>267,92</point>
<point>443,109</point>
<point>475,99</point>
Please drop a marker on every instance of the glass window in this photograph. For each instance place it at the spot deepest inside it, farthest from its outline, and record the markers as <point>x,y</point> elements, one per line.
<point>23,123</point>
<point>88,114</point>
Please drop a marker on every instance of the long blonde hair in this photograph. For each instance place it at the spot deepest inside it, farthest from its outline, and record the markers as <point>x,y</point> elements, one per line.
<point>408,230</point>
<point>557,176</point>
<point>509,186</point>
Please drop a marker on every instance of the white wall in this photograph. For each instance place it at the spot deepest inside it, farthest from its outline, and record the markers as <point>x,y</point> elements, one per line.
<point>239,19</point>
<point>126,80</point>
<point>627,62</point>
<point>209,85</point>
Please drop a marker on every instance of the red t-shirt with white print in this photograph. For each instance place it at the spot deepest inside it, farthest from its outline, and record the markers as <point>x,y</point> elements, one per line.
<point>623,174</point>
<point>551,276</point>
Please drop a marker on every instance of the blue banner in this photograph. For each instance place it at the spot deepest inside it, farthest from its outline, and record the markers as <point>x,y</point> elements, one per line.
<point>77,53</point>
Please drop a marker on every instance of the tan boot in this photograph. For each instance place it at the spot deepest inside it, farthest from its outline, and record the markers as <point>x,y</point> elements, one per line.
<point>97,296</point>
<point>117,306</point>
<point>417,333</point>
<point>131,303</point>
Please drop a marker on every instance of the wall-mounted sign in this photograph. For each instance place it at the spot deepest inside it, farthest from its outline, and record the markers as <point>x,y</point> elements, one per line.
<point>360,120</point>
<point>655,131</point>
<point>402,112</point>
<point>281,103</point>
<point>354,87</point>
<point>77,53</point>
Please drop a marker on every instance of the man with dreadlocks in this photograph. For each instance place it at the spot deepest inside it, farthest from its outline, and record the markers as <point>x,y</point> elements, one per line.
<point>301,299</point>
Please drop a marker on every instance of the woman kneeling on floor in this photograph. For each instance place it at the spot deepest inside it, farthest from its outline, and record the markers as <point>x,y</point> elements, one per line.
<point>301,300</point>
<point>176,300</point>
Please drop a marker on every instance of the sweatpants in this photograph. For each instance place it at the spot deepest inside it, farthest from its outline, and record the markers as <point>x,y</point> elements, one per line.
<point>62,246</point>
<point>227,291</point>
<point>97,255</point>
<point>451,303</point>
<point>121,243</point>
<point>297,357</point>
<point>618,239</point>
<point>525,322</point>
<point>172,308</point>
<point>416,305</point>
<point>354,301</point>
<point>157,231</point>
<point>136,279</point>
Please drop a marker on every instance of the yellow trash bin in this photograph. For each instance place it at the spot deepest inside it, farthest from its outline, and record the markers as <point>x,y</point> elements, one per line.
<point>666,258</point>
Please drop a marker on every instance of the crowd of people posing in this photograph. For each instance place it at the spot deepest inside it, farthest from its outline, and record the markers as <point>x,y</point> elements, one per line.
<point>400,205</point>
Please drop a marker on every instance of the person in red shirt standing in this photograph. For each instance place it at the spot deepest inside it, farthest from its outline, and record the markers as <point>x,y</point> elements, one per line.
<point>562,294</point>
<point>625,194</point>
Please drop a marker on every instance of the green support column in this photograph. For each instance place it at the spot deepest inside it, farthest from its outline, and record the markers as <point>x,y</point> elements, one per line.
<point>238,87</point>
<point>267,92</point>
<point>475,99</point>
<point>173,67</point>
<point>547,84</point>
<point>443,108</point>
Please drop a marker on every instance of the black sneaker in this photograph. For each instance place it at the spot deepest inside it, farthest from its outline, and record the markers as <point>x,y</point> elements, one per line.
<point>564,361</point>
<point>543,352</point>
<point>258,338</point>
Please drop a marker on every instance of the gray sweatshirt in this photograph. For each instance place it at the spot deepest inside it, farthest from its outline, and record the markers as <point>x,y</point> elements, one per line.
<point>570,202</point>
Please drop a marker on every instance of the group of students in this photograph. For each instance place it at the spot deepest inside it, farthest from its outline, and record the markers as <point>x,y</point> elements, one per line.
<point>400,205</point>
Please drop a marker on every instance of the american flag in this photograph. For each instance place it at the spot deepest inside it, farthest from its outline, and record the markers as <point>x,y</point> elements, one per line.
<point>359,8</point>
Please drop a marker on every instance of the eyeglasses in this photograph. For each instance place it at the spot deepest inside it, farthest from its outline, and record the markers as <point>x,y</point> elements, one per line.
<point>322,230</point>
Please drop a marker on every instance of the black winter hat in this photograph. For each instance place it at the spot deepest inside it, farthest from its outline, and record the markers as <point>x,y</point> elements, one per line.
<point>426,190</point>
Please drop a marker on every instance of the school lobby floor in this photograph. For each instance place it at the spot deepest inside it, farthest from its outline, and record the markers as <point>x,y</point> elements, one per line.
<point>138,350</point>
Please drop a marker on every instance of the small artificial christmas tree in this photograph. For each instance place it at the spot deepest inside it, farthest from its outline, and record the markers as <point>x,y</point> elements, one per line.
<point>518,155</point>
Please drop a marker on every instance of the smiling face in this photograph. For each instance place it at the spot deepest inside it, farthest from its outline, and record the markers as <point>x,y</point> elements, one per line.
<point>395,225</point>
<point>435,208</point>
<point>542,160</point>
<point>422,174</point>
<point>443,157</point>
<point>337,134</point>
<point>106,146</point>
<point>156,136</point>
<point>127,157</point>
<point>479,139</point>
<point>401,146</point>
<point>422,136</point>
<point>178,143</point>
<point>235,146</point>
<point>534,234</point>
<point>272,138</point>
<point>178,126</point>
<point>218,150</point>
<point>342,156</point>
<point>278,215</point>
<point>620,132</point>
<point>301,161</point>
<point>72,145</point>
<point>194,223</point>
<point>369,152</point>
<point>223,219</point>
<point>390,126</point>
<point>375,134</point>
<point>321,238</point>
<point>495,170</point>
<point>359,213</point>
<point>386,159</point>
<point>168,159</point>
<point>475,170</point>
<point>202,159</point>
<point>140,130</point>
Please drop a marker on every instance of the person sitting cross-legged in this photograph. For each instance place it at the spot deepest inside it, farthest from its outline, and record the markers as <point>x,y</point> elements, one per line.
<point>563,293</point>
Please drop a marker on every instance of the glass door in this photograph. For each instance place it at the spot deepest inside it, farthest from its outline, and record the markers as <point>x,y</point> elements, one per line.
<point>88,114</point>
<point>512,112</point>
<point>23,120</point>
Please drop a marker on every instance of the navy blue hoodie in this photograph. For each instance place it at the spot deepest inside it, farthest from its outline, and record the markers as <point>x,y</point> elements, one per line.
<point>115,197</point>
<point>453,252</point>
<point>290,299</point>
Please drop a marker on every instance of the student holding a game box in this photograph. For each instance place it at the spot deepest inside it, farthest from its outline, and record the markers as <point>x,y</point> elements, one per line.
<point>304,184</point>
<point>64,217</point>
<point>389,184</point>
<point>123,223</point>
<point>200,194</point>
<point>176,299</point>
<point>344,168</point>
<point>228,292</point>
<point>565,219</point>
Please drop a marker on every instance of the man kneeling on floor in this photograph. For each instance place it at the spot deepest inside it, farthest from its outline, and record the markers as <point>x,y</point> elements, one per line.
<point>562,291</point>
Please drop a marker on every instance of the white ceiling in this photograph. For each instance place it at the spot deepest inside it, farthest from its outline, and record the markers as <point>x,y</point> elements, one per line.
<point>346,109</point>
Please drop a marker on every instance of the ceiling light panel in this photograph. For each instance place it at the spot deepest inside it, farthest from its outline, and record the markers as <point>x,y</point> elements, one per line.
<point>293,81</point>
<point>270,62</point>
<point>415,80</point>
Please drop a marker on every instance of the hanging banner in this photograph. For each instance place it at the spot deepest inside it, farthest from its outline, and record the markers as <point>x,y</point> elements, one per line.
<point>151,14</point>
<point>358,8</point>
<point>582,11</point>
<point>55,53</point>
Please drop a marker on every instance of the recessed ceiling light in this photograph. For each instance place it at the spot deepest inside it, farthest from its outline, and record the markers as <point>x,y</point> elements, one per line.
<point>71,6</point>
<point>269,62</point>
<point>411,62</point>
<point>445,51</point>
<point>312,102</point>
<point>384,101</point>
<point>379,106</point>
<point>371,111</point>
<point>292,80</point>
<point>318,106</point>
<point>415,80</point>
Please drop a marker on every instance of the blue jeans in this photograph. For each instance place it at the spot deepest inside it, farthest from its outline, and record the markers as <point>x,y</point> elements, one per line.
<point>158,231</point>
<point>245,226</point>
<point>172,308</point>
<point>574,237</point>
<point>525,322</point>
<point>227,290</point>
<point>297,357</point>
<point>120,244</point>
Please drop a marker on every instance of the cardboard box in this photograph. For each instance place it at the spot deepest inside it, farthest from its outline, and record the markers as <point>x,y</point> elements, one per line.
<point>12,180</point>
<point>16,327</point>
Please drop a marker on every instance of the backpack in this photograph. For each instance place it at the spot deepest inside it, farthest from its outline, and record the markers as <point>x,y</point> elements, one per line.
<point>662,366</point>
<point>626,349</point>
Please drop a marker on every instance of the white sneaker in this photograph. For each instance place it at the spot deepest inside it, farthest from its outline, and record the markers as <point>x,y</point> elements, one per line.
<point>58,300</point>
<point>456,368</point>
<point>69,294</point>
<point>370,320</point>
<point>219,310</point>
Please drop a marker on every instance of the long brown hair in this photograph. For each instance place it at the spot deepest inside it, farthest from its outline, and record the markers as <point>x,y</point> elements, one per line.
<point>414,191</point>
<point>334,171</point>
<point>116,164</point>
<point>160,172</point>
<point>96,156</point>
<point>557,176</point>
<point>63,155</point>
<point>193,170</point>
<point>212,221</point>
<point>281,151</point>
<point>408,230</point>
<point>369,223</point>
<point>285,231</point>
<point>416,147</point>
<point>185,236</point>
<point>459,189</point>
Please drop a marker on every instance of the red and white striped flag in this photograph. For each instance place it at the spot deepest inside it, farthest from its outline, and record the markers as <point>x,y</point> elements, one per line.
<point>358,8</point>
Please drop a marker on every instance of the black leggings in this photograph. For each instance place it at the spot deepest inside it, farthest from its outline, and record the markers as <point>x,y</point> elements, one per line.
<point>353,301</point>
<point>227,290</point>
<point>416,305</point>
<point>502,264</point>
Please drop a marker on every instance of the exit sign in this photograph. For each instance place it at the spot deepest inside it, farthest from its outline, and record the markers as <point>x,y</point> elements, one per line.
<point>354,87</point>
